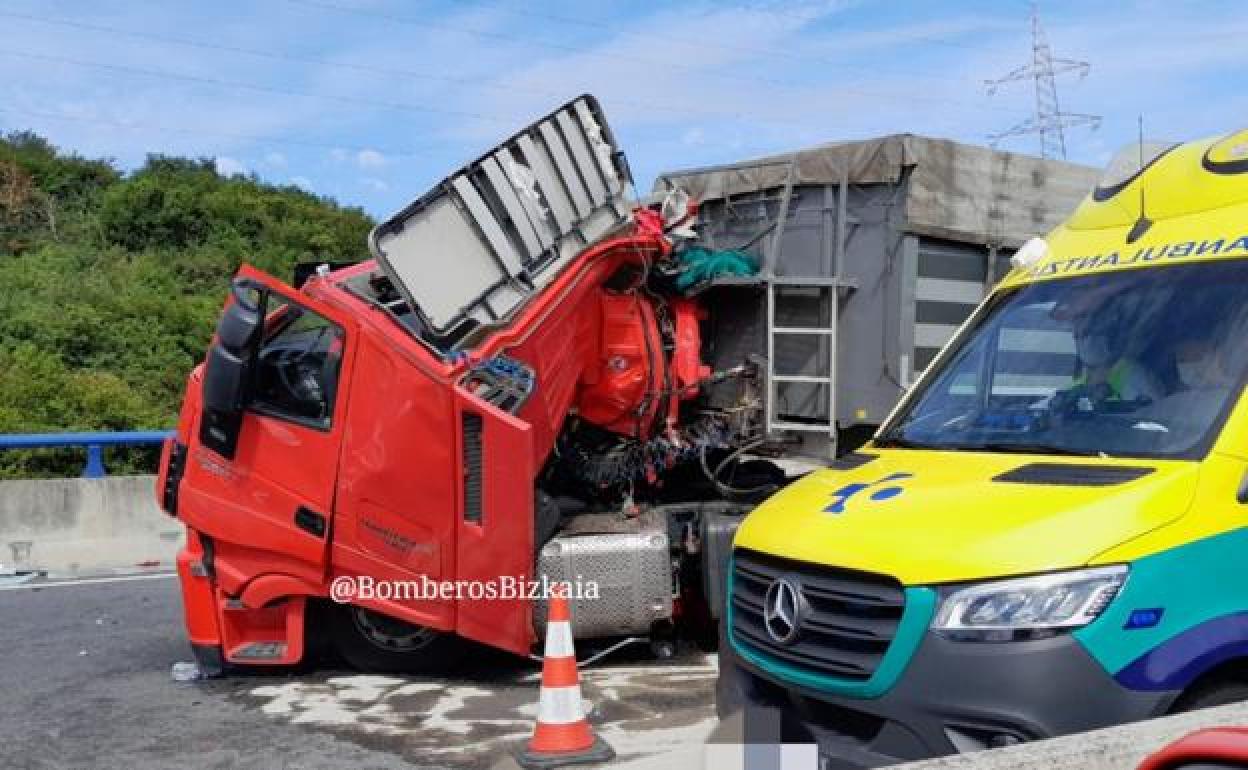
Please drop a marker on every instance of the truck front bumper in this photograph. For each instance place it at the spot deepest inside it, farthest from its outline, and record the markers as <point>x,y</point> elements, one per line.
<point>953,697</point>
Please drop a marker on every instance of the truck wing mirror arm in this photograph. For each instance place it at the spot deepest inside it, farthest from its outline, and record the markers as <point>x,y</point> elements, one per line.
<point>228,369</point>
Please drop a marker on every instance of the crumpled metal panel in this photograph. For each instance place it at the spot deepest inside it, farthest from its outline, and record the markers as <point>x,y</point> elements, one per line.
<point>493,233</point>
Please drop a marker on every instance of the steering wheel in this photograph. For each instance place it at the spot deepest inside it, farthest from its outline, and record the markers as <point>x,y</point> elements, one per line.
<point>1069,403</point>
<point>299,377</point>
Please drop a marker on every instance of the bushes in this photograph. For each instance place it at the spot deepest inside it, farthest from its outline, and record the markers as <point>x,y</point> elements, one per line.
<point>45,194</point>
<point>111,285</point>
<point>173,203</point>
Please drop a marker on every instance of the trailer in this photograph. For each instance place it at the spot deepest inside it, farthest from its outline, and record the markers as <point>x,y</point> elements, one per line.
<point>872,254</point>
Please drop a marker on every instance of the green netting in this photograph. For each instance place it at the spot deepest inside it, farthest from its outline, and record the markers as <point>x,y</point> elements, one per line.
<point>699,265</point>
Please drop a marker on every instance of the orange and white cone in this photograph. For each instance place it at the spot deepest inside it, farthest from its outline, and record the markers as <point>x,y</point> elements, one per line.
<point>562,736</point>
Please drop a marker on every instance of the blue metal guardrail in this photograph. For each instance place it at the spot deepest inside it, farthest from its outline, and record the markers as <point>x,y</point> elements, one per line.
<point>94,442</point>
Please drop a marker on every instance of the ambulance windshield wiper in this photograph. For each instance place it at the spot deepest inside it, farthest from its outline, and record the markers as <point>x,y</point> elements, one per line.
<point>897,442</point>
<point>1039,449</point>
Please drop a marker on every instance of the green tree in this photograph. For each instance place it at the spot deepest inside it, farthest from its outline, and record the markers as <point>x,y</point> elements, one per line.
<point>113,283</point>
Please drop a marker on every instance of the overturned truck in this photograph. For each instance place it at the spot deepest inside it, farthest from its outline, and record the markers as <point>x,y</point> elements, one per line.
<point>523,385</point>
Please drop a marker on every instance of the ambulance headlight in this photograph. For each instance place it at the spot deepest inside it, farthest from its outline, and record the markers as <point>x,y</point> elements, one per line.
<point>1034,607</point>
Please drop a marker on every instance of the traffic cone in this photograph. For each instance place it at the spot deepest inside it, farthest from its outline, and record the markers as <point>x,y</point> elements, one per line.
<point>562,736</point>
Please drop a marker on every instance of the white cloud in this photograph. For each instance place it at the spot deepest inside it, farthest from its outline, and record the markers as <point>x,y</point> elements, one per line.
<point>227,166</point>
<point>99,111</point>
<point>302,181</point>
<point>370,159</point>
<point>765,81</point>
<point>735,80</point>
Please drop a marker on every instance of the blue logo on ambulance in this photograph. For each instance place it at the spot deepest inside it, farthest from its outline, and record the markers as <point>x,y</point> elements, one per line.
<point>882,492</point>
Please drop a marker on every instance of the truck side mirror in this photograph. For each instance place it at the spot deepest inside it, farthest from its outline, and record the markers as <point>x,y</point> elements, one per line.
<point>227,372</point>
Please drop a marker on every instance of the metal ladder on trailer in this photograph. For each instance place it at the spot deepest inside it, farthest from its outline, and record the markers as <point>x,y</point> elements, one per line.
<point>829,287</point>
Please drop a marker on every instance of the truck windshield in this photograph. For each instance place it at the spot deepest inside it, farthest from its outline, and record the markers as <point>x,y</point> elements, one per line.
<point>1140,363</point>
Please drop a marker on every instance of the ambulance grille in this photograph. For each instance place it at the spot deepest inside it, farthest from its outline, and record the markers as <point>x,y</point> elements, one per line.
<point>846,622</point>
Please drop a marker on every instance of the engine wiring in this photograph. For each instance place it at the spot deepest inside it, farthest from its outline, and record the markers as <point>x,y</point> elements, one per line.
<point>631,461</point>
<point>727,490</point>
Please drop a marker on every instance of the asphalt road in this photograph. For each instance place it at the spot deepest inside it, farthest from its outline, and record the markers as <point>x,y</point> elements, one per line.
<point>85,682</point>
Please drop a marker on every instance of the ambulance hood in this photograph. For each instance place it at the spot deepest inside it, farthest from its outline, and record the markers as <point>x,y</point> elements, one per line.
<point>932,517</point>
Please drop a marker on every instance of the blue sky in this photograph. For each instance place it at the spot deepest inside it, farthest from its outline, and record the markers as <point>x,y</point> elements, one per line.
<point>372,101</point>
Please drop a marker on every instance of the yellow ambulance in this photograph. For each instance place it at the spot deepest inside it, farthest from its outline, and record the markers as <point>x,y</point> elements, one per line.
<point>1048,533</point>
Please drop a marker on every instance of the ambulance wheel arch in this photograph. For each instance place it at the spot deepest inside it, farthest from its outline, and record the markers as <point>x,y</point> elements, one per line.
<point>1225,684</point>
<point>1180,624</point>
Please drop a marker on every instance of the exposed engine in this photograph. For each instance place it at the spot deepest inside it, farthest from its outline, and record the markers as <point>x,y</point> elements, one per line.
<point>646,479</point>
<point>645,475</point>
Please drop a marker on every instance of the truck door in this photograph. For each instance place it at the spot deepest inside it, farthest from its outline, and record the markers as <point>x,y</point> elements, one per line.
<point>270,431</point>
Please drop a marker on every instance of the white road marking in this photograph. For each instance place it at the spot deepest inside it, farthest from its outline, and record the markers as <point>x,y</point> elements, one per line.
<point>90,581</point>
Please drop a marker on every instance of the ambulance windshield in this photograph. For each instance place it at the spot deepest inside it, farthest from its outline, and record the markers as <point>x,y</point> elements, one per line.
<point>1139,363</point>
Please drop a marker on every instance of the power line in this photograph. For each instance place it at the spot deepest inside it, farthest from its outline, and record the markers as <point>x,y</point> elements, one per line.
<point>203,79</point>
<point>219,82</point>
<point>763,10</point>
<point>281,56</point>
<point>730,76</point>
<point>702,43</point>
<point>925,38</point>
<point>1048,120</point>
<point>359,67</point>
<point>279,140</point>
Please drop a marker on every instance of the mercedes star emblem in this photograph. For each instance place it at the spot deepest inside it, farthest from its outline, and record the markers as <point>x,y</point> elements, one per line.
<point>781,610</point>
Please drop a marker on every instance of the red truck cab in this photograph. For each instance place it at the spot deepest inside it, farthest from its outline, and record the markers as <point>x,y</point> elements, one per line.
<point>400,420</point>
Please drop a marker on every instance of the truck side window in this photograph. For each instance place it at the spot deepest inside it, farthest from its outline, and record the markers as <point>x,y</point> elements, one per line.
<point>297,365</point>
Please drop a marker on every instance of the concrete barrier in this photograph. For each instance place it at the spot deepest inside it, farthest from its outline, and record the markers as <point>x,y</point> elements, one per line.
<point>1114,748</point>
<point>85,526</point>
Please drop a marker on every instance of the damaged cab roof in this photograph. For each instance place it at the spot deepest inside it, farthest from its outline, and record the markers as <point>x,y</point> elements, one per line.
<point>474,248</point>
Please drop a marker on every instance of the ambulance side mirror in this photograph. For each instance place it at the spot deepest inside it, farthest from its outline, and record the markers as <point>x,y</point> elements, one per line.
<point>227,371</point>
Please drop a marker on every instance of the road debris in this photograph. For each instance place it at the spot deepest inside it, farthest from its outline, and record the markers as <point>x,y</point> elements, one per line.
<point>642,707</point>
<point>183,671</point>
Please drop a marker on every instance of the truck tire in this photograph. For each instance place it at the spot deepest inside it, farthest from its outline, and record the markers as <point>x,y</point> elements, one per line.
<point>1216,693</point>
<point>372,642</point>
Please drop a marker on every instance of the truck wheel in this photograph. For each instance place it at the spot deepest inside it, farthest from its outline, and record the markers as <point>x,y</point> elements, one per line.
<point>1210,695</point>
<point>376,643</point>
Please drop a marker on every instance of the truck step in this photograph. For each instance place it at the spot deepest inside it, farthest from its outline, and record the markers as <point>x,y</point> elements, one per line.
<point>810,427</point>
<point>803,330</point>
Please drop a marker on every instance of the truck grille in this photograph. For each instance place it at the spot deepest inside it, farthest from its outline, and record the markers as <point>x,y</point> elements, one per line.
<point>847,621</point>
<point>471,424</point>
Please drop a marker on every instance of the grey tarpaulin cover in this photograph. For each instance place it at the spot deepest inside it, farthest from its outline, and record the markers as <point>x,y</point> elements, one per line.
<point>957,191</point>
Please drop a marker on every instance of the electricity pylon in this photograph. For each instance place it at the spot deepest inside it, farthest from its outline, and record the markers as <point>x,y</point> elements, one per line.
<point>1048,121</point>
